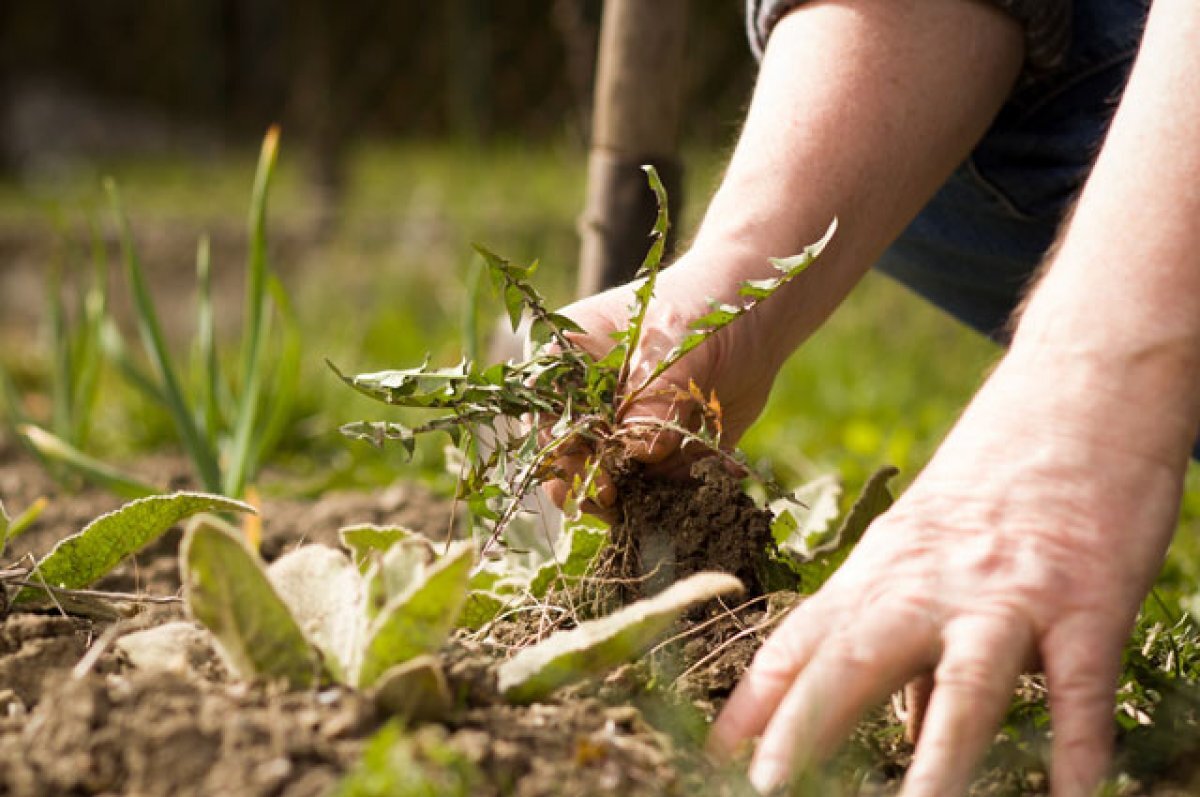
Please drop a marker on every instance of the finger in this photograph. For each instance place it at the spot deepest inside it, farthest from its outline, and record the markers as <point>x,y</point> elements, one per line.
<point>650,442</point>
<point>1082,658</point>
<point>972,688</point>
<point>767,680</point>
<point>916,701</point>
<point>849,672</point>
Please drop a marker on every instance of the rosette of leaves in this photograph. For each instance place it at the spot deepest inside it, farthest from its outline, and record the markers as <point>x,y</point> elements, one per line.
<point>371,618</point>
<point>511,420</point>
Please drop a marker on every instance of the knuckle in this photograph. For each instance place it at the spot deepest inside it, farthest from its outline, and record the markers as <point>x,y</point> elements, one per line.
<point>971,674</point>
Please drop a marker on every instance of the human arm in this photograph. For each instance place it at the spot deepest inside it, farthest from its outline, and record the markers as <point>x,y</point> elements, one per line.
<point>861,110</point>
<point>1039,525</point>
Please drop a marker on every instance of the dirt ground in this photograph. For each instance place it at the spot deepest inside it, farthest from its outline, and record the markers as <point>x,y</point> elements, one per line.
<point>76,719</point>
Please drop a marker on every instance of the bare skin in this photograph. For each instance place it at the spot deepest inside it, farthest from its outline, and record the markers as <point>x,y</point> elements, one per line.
<point>1037,529</point>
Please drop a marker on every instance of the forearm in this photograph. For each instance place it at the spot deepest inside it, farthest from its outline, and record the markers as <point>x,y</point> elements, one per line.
<point>862,109</point>
<point>1116,319</point>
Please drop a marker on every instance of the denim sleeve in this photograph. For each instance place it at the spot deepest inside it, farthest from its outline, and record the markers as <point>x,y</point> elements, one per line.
<point>1047,26</point>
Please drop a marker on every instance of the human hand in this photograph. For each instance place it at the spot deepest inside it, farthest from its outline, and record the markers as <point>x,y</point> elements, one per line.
<point>734,364</point>
<point>1030,540</point>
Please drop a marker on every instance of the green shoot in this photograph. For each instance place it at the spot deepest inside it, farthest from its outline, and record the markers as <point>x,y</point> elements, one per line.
<point>225,438</point>
<point>55,450</point>
<point>257,320</point>
<point>202,455</point>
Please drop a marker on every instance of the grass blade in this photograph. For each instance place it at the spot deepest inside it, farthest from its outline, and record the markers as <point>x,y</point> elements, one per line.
<point>54,449</point>
<point>88,342</point>
<point>256,320</point>
<point>112,343</point>
<point>286,378</point>
<point>206,342</point>
<point>24,521</point>
<point>197,448</point>
<point>62,382</point>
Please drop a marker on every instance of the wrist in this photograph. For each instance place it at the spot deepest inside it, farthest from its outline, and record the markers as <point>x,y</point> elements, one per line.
<point>1110,401</point>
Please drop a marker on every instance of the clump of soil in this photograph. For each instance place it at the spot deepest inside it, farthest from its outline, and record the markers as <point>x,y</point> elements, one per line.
<point>668,529</point>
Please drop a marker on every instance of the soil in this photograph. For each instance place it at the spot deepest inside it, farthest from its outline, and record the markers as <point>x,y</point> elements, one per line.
<point>77,719</point>
<point>669,529</point>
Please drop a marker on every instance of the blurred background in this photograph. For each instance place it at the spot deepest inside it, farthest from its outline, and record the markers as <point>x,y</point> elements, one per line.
<point>409,131</point>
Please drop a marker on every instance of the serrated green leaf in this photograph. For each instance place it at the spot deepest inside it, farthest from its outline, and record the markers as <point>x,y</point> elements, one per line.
<point>227,590</point>
<point>82,558</point>
<point>583,543</point>
<point>365,538</point>
<point>327,597</point>
<point>419,620</point>
<point>481,608</point>
<point>872,502</point>
<point>379,432</point>
<point>803,524</point>
<point>596,646</point>
<point>723,315</point>
<point>631,337</point>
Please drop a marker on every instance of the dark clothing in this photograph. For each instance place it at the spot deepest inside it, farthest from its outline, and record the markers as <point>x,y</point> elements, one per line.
<point>1047,26</point>
<point>974,249</point>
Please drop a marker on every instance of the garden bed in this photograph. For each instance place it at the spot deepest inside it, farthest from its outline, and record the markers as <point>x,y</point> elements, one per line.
<point>104,727</point>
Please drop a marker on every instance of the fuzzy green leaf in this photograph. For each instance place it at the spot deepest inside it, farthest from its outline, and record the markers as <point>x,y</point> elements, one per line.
<point>481,608</point>
<point>82,558</point>
<point>398,569</point>
<point>415,690</point>
<point>227,590</point>
<point>596,646</point>
<point>327,596</point>
<point>365,538</point>
<point>419,620</point>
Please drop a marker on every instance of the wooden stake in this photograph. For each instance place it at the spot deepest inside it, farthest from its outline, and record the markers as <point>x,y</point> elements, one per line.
<point>636,120</point>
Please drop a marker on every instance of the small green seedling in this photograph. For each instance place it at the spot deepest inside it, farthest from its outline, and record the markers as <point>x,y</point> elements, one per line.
<point>316,615</point>
<point>11,528</point>
<point>226,430</point>
<point>81,559</point>
<point>513,420</point>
